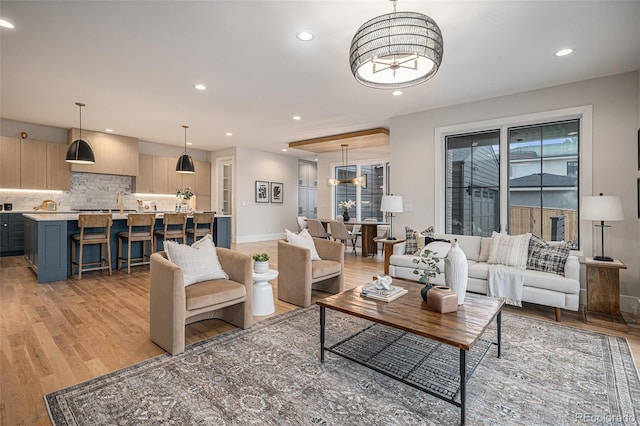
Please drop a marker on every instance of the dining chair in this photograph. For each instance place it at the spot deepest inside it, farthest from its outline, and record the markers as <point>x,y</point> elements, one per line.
<point>316,229</point>
<point>339,232</point>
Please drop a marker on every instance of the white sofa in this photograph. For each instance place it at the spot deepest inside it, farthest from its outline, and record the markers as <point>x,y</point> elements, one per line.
<point>542,288</point>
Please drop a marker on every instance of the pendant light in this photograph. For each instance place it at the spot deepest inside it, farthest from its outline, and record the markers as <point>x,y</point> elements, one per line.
<point>185,162</point>
<point>357,181</point>
<point>79,151</point>
<point>396,50</point>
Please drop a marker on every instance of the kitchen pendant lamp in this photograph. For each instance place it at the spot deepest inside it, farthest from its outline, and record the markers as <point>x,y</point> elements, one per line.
<point>79,151</point>
<point>357,181</point>
<point>185,162</point>
<point>396,50</point>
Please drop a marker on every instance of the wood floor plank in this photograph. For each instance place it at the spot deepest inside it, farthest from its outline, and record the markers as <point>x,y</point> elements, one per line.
<point>57,334</point>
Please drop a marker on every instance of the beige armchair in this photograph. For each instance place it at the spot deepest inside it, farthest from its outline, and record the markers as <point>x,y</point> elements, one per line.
<point>172,305</point>
<point>299,274</point>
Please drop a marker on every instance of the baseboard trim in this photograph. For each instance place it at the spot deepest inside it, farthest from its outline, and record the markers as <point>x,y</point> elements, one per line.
<point>260,237</point>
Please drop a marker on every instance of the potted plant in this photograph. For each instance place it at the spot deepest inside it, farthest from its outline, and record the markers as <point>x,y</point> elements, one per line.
<point>346,206</point>
<point>260,263</point>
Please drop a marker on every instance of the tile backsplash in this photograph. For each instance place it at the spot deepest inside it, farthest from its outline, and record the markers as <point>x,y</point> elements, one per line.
<point>88,191</point>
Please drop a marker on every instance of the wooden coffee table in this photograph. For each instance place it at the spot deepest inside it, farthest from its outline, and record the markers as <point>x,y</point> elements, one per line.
<point>408,317</point>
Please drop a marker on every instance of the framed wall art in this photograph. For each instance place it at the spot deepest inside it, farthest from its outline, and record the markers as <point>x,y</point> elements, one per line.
<point>277,192</point>
<point>638,149</point>
<point>638,198</point>
<point>262,191</point>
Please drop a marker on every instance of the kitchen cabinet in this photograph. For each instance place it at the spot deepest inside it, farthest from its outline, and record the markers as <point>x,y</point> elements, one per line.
<point>9,162</point>
<point>115,154</point>
<point>144,179</point>
<point>43,165</point>
<point>174,179</point>
<point>11,234</point>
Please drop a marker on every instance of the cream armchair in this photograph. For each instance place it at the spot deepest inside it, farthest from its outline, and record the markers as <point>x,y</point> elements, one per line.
<point>172,305</point>
<point>298,274</point>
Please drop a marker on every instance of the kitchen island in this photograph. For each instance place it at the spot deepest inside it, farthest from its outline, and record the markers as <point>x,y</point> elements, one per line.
<point>47,241</point>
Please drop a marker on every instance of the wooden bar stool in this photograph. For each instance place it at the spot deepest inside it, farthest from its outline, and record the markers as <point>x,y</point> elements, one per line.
<point>202,225</point>
<point>92,221</point>
<point>143,232</point>
<point>178,221</point>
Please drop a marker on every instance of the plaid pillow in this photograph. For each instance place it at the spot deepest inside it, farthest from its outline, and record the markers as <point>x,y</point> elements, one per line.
<point>411,245</point>
<point>545,257</point>
<point>421,237</point>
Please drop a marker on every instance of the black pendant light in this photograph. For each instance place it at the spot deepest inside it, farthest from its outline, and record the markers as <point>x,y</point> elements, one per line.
<point>79,151</point>
<point>185,162</point>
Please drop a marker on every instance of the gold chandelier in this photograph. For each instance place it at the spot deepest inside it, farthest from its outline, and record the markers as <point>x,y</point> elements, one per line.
<point>357,181</point>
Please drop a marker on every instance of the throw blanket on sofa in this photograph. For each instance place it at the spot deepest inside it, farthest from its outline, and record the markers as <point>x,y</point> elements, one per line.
<point>506,283</point>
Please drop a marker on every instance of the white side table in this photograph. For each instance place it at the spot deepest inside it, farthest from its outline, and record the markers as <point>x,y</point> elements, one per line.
<point>263,293</point>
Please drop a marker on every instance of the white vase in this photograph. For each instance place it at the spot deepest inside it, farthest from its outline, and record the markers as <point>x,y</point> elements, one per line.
<point>456,271</point>
<point>260,267</point>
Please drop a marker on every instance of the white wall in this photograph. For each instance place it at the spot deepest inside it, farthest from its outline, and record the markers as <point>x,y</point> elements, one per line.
<point>616,118</point>
<point>257,221</point>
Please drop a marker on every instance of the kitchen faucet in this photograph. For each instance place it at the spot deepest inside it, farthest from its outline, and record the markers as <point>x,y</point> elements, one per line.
<point>120,202</point>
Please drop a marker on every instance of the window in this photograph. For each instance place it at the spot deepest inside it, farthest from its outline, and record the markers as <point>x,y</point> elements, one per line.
<point>542,181</point>
<point>472,194</point>
<point>367,197</point>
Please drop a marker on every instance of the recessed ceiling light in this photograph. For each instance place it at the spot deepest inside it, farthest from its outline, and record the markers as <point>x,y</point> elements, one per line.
<point>564,52</point>
<point>284,149</point>
<point>189,143</point>
<point>200,86</point>
<point>397,93</point>
<point>304,36</point>
<point>6,24</point>
<point>229,134</point>
<point>108,130</point>
<point>297,117</point>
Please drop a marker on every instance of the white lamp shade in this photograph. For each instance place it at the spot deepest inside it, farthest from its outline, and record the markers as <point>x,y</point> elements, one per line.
<point>391,204</point>
<point>602,208</point>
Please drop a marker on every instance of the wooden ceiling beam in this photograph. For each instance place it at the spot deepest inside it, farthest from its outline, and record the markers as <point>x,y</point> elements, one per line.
<point>356,140</point>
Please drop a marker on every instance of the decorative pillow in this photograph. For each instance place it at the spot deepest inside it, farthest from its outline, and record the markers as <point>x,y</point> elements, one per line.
<point>509,250</point>
<point>303,239</point>
<point>199,262</point>
<point>485,249</point>
<point>422,236</point>
<point>411,244</point>
<point>547,257</point>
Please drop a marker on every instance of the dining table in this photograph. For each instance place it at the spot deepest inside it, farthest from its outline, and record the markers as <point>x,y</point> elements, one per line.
<point>369,231</point>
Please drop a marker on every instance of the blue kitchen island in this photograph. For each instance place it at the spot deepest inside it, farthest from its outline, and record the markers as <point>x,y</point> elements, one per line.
<point>47,241</point>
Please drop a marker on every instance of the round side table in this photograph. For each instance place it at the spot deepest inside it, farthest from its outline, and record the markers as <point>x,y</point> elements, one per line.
<point>263,293</point>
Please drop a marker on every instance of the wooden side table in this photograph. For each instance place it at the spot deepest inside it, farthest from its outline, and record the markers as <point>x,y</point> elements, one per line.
<point>603,293</point>
<point>388,251</point>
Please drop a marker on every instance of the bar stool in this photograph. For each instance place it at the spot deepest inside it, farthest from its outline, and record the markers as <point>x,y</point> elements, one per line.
<point>198,230</point>
<point>92,221</point>
<point>179,223</point>
<point>143,222</point>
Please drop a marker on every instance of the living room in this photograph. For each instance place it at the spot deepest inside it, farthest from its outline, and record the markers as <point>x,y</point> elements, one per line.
<point>603,93</point>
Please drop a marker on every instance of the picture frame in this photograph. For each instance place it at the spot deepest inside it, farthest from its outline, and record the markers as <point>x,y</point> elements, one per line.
<point>277,192</point>
<point>638,149</point>
<point>262,191</point>
<point>638,198</point>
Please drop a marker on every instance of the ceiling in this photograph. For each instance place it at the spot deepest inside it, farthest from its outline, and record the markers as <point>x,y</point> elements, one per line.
<point>134,64</point>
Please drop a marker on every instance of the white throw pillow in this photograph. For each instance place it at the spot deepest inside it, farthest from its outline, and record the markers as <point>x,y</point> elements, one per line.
<point>303,239</point>
<point>485,249</point>
<point>509,250</point>
<point>199,262</point>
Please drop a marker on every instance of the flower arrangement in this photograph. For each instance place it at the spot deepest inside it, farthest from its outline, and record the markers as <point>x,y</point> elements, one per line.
<point>261,257</point>
<point>185,193</point>
<point>346,205</point>
<point>427,257</point>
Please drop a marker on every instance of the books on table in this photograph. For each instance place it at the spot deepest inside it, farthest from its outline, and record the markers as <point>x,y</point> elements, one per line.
<point>370,291</point>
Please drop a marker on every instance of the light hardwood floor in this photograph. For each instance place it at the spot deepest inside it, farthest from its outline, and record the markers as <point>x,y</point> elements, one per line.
<point>58,334</point>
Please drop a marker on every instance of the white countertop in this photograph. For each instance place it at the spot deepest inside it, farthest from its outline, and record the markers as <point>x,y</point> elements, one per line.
<point>41,217</point>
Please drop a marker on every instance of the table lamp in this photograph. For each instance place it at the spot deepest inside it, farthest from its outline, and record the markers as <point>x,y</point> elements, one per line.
<point>391,204</point>
<point>602,208</point>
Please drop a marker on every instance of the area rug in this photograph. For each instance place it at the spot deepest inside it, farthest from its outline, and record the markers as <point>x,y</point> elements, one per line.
<point>548,374</point>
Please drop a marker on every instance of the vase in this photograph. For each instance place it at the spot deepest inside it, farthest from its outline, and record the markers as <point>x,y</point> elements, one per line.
<point>345,216</point>
<point>456,271</point>
<point>260,267</point>
<point>425,290</point>
<point>442,299</point>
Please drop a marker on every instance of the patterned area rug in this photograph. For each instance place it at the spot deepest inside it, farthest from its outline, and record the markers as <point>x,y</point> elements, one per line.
<point>271,375</point>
